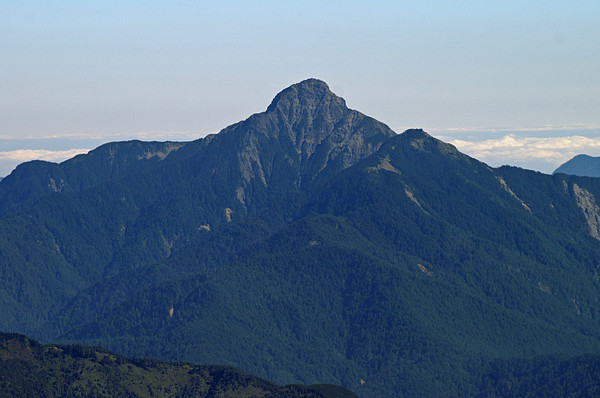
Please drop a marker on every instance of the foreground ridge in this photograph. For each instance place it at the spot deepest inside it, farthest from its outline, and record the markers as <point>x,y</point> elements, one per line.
<point>29,369</point>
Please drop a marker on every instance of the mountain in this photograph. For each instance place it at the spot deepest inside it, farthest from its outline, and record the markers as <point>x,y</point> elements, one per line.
<point>311,244</point>
<point>122,206</point>
<point>581,165</point>
<point>28,368</point>
<point>306,134</point>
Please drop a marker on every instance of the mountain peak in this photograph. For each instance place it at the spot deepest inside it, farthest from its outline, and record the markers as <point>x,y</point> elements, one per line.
<point>308,94</point>
<point>581,165</point>
<point>306,131</point>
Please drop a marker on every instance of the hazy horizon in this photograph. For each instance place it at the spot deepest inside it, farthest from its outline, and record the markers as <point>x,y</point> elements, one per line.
<point>508,83</point>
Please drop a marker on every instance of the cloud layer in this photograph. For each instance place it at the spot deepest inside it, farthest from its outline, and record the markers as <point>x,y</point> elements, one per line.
<point>539,153</point>
<point>24,155</point>
<point>10,159</point>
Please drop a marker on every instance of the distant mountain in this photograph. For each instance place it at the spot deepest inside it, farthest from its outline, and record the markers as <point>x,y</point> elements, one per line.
<point>581,165</point>
<point>29,369</point>
<point>311,244</point>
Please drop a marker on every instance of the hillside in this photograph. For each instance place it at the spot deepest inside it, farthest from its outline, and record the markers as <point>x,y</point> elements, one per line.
<point>29,369</point>
<point>311,244</point>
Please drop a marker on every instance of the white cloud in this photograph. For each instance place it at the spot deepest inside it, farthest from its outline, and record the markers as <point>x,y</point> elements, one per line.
<point>540,153</point>
<point>24,155</point>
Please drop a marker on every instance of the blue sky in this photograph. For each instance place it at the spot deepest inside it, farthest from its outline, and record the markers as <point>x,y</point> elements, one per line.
<point>512,82</point>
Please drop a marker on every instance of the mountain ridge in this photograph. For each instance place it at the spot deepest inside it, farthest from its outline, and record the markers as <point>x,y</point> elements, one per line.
<point>29,368</point>
<point>32,180</point>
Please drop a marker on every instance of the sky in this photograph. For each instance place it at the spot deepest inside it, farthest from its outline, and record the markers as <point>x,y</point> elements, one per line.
<point>511,82</point>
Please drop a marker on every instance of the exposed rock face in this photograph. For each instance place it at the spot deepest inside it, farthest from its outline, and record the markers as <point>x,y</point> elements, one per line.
<point>510,191</point>
<point>587,203</point>
<point>308,129</point>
